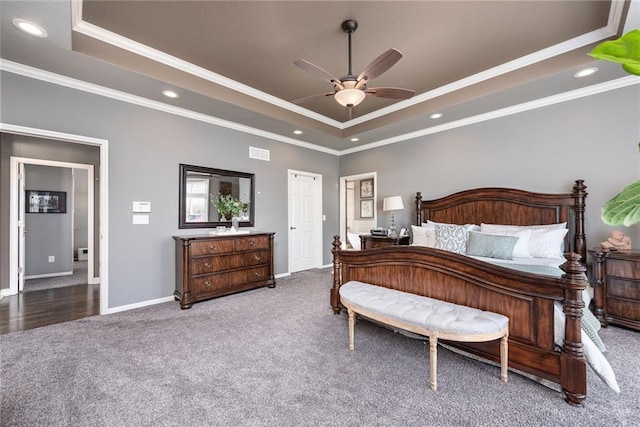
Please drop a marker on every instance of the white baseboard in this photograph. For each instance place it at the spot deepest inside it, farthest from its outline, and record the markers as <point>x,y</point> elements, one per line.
<point>40,276</point>
<point>140,304</point>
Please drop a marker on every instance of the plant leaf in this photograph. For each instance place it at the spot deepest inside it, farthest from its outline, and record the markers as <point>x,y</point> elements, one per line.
<point>623,208</point>
<point>625,50</point>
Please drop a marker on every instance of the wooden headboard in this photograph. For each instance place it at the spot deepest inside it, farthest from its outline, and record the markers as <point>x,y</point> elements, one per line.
<point>513,207</point>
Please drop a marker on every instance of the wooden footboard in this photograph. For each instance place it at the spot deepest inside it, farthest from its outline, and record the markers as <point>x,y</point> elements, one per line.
<point>526,299</point>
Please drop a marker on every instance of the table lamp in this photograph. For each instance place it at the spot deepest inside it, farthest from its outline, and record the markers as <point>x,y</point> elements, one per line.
<point>393,203</point>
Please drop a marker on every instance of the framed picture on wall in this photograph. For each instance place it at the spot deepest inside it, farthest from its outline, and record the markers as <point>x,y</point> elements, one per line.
<point>366,188</point>
<point>37,201</point>
<point>366,208</point>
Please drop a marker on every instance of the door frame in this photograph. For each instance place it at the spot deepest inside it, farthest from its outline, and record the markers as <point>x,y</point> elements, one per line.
<point>14,205</point>
<point>103,197</point>
<point>317,217</point>
<point>343,198</point>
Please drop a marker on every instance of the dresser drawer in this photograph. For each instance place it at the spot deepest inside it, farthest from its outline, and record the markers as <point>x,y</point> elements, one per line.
<point>210,247</point>
<point>227,281</point>
<point>622,268</point>
<point>251,243</point>
<point>623,309</point>
<point>212,264</point>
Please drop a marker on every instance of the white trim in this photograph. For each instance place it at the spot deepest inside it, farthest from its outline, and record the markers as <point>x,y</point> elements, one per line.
<point>46,76</point>
<point>98,33</point>
<point>343,197</point>
<point>40,276</point>
<point>317,222</point>
<point>104,199</point>
<point>503,112</point>
<point>138,305</point>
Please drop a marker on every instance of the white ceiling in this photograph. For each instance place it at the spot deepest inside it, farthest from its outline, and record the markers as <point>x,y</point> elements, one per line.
<point>232,61</point>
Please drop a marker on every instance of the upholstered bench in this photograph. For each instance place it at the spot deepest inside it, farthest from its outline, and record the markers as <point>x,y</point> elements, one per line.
<point>425,316</point>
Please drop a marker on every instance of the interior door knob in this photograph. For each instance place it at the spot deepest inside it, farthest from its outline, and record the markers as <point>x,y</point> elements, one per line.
<point>292,228</point>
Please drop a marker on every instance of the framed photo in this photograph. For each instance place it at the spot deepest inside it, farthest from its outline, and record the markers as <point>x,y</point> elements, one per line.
<point>366,188</point>
<point>366,208</point>
<point>37,201</point>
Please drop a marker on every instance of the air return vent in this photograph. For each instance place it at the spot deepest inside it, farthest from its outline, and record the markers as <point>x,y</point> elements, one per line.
<point>259,154</point>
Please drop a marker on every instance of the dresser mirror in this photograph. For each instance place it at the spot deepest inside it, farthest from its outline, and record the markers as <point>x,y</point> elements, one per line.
<point>199,188</point>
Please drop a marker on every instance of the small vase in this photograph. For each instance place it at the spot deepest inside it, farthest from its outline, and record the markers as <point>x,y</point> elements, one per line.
<point>235,223</point>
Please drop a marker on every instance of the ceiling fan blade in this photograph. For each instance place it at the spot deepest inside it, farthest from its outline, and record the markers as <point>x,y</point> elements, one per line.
<point>390,92</point>
<point>317,71</point>
<point>311,97</point>
<point>379,65</point>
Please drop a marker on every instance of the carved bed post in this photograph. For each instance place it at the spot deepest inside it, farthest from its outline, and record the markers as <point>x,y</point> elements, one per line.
<point>335,290</point>
<point>418,208</point>
<point>579,237</point>
<point>573,367</point>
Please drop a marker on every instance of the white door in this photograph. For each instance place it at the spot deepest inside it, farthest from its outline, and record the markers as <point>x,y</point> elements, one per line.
<point>21,226</point>
<point>305,219</point>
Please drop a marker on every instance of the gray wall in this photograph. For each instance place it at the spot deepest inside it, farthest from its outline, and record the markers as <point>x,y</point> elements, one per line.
<point>48,234</point>
<point>80,207</point>
<point>593,138</point>
<point>145,149</point>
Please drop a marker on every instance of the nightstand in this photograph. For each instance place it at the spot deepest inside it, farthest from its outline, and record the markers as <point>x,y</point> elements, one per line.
<point>369,242</point>
<point>616,287</point>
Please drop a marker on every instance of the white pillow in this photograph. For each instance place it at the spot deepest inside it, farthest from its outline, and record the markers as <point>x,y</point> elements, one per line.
<point>547,243</point>
<point>543,245</point>
<point>424,236</point>
<point>432,224</point>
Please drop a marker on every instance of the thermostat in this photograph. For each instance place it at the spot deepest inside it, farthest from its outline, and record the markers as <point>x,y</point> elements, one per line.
<point>141,206</point>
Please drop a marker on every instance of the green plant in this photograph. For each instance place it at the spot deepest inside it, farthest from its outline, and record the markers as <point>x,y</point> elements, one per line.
<point>624,207</point>
<point>226,204</point>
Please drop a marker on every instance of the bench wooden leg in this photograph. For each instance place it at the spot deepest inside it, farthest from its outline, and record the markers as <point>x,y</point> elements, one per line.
<point>433,360</point>
<point>352,322</point>
<point>504,358</point>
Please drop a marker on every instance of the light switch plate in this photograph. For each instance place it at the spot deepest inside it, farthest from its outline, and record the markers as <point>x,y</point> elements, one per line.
<point>141,206</point>
<point>141,219</point>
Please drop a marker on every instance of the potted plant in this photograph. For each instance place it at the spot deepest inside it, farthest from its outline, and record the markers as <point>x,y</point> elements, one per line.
<point>228,207</point>
<point>624,207</point>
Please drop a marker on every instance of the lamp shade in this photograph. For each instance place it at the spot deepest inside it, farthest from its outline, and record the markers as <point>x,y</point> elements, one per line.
<point>349,97</point>
<point>392,203</point>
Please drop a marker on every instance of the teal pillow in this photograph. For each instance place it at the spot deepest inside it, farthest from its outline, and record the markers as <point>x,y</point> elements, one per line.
<point>591,325</point>
<point>491,245</point>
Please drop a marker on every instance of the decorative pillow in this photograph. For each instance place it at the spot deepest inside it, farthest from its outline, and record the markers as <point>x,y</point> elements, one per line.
<point>452,238</point>
<point>423,236</point>
<point>591,325</point>
<point>491,245</point>
<point>490,228</point>
<point>521,249</point>
<point>354,240</point>
<point>432,224</point>
<point>547,243</point>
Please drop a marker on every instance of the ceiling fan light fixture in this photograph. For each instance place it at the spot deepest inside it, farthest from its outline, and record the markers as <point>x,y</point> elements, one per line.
<point>349,97</point>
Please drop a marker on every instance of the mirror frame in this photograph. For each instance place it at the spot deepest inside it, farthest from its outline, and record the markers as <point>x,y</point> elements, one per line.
<point>182,213</point>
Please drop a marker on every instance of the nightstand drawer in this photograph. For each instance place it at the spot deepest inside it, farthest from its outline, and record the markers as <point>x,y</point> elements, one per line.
<point>622,268</point>
<point>623,288</point>
<point>623,309</point>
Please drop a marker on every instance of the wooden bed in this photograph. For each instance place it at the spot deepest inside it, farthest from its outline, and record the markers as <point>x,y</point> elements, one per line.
<point>527,299</point>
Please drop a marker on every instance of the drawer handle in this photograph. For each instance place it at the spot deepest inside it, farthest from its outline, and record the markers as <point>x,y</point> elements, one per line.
<point>206,264</point>
<point>252,243</point>
<point>257,274</point>
<point>207,284</point>
<point>257,258</point>
<point>212,247</point>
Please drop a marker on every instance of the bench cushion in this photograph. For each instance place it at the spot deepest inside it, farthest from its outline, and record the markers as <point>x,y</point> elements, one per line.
<point>422,311</point>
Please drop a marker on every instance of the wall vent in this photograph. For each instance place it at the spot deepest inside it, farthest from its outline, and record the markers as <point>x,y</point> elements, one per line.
<point>259,153</point>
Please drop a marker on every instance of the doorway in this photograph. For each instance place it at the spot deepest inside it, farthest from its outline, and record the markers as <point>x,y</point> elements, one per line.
<point>305,220</point>
<point>55,228</point>
<point>101,245</point>
<point>358,193</point>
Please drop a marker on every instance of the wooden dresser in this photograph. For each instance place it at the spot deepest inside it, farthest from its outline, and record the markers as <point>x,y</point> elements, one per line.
<point>211,266</point>
<point>616,287</point>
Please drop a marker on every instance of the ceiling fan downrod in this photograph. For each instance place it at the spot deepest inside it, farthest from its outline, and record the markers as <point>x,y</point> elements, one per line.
<point>350,26</point>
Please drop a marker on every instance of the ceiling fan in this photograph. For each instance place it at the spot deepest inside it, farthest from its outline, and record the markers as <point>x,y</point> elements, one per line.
<point>350,90</point>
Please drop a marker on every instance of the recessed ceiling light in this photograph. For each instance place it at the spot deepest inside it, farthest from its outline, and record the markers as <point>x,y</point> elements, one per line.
<point>354,139</point>
<point>297,132</point>
<point>436,115</point>
<point>170,93</point>
<point>585,72</point>
<point>29,27</point>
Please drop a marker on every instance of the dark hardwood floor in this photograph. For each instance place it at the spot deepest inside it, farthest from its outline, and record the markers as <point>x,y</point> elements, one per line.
<point>34,309</point>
